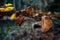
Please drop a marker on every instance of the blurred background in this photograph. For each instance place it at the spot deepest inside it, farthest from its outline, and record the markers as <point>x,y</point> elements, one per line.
<point>11,31</point>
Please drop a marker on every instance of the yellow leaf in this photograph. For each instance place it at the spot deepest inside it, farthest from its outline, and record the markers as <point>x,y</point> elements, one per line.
<point>12,16</point>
